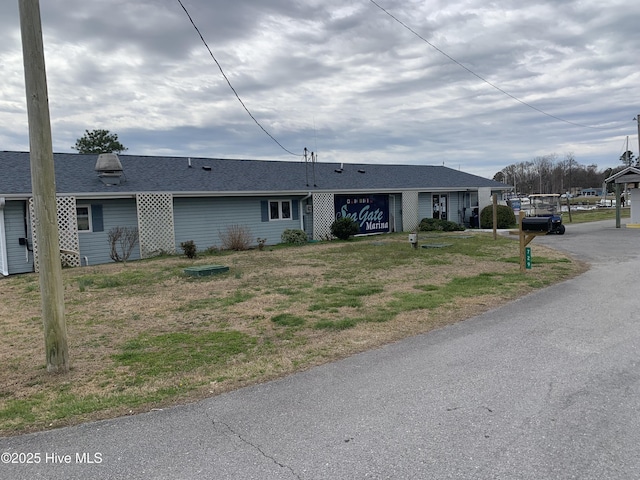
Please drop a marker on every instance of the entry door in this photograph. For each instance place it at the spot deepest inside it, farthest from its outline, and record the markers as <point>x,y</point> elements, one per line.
<point>440,206</point>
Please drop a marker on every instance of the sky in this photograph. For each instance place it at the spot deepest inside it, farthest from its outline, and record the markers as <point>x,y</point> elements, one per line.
<point>474,85</point>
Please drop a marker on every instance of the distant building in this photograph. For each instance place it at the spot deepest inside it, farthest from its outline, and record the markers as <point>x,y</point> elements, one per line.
<point>590,192</point>
<point>172,200</point>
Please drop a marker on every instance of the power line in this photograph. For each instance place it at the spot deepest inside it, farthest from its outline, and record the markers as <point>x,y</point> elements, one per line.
<point>480,77</point>
<point>231,86</point>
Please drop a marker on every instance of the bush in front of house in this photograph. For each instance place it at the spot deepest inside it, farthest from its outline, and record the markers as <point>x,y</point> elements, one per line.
<point>294,237</point>
<point>344,227</point>
<point>236,237</point>
<point>438,225</point>
<point>189,248</point>
<point>506,217</point>
<point>122,240</point>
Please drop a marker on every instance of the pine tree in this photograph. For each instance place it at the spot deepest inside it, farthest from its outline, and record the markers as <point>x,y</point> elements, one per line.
<point>99,141</point>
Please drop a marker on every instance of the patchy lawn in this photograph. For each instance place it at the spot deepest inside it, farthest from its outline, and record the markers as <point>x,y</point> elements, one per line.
<point>144,335</point>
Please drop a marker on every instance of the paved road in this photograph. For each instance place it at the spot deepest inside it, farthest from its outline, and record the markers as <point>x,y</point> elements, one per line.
<point>547,387</point>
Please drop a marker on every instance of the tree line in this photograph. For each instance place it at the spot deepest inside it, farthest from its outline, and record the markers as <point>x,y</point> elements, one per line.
<point>553,174</point>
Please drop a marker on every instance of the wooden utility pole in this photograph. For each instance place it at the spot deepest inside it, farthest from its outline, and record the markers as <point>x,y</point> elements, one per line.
<point>43,187</point>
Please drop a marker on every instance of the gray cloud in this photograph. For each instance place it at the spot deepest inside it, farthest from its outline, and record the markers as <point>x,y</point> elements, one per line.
<point>341,78</point>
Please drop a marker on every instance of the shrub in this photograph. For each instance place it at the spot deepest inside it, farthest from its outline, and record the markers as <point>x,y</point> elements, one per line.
<point>436,224</point>
<point>506,217</point>
<point>189,248</point>
<point>236,237</point>
<point>212,250</point>
<point>125,238</point>
<point>294,237</point>
<point>344,227</point>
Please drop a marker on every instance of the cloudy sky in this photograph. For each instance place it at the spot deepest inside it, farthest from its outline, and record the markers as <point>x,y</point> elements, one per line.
<point>474,84</point>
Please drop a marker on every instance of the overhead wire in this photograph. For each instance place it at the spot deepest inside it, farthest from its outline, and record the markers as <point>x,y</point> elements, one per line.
<point>479,76</point>
<point>231,86</point>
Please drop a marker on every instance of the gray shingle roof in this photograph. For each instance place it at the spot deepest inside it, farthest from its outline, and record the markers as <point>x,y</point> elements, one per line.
<point>75,174</point>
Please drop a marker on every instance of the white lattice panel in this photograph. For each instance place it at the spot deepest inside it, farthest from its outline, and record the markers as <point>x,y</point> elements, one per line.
<point>67,232</point>
<point>410,214</point>
<point>155,224</point>
<point>323,215</point>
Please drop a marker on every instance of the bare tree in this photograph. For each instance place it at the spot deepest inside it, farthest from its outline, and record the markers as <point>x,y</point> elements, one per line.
<point>125,238</point>
<point>548,174</point>
<point>570,161</point>
<point>543,166</point>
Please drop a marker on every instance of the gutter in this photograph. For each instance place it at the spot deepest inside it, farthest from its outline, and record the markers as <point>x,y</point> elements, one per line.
<point>4,264</point>
<point>300,211</point>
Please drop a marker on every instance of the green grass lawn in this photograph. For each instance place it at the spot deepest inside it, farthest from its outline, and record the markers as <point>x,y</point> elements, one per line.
<point>583,216</point>
<point>144,335</point>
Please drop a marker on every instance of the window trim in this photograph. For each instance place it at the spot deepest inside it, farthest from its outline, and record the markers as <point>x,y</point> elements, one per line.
<point>280,217</point>
<point>89,218</point>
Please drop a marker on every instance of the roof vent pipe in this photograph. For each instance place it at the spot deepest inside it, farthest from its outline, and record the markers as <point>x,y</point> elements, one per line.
<point>109,168</point>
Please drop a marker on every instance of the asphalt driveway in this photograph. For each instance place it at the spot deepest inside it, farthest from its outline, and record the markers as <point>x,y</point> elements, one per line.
<point>547,387</point>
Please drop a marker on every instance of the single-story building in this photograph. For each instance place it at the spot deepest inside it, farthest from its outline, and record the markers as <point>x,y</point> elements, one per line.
<point>591,192</point>
<point>171,200</point>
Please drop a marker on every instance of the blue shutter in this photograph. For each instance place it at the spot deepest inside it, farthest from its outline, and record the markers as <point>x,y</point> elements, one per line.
<point>294,206</point>
<point>96,218</point>
<point>264,208</point>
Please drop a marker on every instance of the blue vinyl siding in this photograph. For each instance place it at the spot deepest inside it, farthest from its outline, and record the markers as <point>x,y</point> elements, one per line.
<point>19,259</point>
<point>425,208</point>
<point>203,219</point>
<point>455,207</point>
<point>199,219</point>
<point>94,246</point>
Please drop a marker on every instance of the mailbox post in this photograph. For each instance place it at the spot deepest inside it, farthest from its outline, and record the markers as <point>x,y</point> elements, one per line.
<point>529,228</point>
